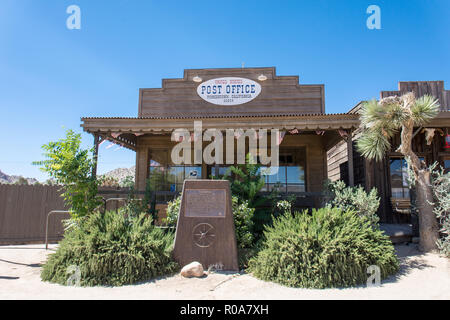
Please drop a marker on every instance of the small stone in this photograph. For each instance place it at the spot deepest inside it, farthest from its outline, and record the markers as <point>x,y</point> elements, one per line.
<point>193,269</point>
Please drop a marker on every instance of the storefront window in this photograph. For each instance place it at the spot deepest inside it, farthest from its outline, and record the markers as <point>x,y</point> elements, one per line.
<point>447,165</point>
<point>219,172</point>
<point>276,177</point>
<point>399,177</point>
<point>295,179</point>
<point>171,178</point>
<point>290,176</point>
<point>157,178</point>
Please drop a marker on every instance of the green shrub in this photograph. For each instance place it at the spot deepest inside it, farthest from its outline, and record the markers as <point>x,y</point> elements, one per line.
<point>246,183</point>
<point>441,192</point>
<point>330,248</point>
<point>173,209</point>
<point>243,223</point>
<point>354,199</point>
<point>112,249</point>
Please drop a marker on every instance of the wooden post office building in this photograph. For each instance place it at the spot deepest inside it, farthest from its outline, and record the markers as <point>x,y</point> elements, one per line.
<point>313,145</point>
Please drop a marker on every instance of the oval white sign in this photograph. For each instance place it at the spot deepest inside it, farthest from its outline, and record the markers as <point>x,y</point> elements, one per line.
<point>229,91</point>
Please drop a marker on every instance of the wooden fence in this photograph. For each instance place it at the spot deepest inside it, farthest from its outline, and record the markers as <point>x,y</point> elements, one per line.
<point>24,210</point>
<point>23,213</point>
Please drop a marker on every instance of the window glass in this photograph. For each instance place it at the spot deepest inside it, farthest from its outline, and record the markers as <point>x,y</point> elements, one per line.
<point>171,178</point>
<point>447,165</point>
<point>193,172</point>
<point>175,178</point>
<point>219,171</point>
<point>276,177</point>
<point>399,177</point>
<point>278,174</point>
<point>157,179</point>
<point>290,176</point>
<point>295,179</point>
<point>396,178</point>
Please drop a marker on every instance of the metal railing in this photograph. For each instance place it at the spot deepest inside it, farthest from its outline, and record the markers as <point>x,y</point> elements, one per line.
<point>46,225</point>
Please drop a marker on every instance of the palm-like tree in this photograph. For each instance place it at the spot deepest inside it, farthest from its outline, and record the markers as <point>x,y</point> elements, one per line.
<point>380,121</point>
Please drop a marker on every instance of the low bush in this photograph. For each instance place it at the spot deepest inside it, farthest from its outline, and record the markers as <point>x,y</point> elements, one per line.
<point>329,248</point>
<point>112,249</point>
<point>173,210</point>
<point>441,192</point>
<point>243,223</point>
<point>354,199</point>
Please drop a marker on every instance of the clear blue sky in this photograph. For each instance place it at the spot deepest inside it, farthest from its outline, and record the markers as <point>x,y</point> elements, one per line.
<point>51,76</point>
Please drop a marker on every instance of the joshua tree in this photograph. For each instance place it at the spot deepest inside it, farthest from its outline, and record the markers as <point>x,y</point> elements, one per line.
<point>380,121</point>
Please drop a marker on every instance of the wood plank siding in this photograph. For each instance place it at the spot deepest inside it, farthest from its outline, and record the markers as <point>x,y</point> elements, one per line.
<point>280,95</point>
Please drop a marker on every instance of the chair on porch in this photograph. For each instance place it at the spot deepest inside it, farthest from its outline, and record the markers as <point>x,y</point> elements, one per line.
<point>401,205</point>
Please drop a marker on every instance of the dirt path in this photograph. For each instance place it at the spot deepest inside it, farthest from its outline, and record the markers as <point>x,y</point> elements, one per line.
<point>421,277</point>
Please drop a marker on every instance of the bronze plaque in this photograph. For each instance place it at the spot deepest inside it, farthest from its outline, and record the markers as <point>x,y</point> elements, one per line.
<point>205,228</point>
<point>205,203</point>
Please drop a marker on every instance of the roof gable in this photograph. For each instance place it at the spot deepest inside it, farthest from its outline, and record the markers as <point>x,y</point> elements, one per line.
<point>280,95</point>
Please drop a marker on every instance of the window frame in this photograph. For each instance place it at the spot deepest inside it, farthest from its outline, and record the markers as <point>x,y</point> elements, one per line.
<point>289,152</point>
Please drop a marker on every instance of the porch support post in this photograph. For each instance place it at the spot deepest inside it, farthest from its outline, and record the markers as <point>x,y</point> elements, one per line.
<point>351,177</point>
<point>96,141</point>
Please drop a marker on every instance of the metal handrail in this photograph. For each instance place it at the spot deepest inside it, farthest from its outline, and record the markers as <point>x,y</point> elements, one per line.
<point>119,199</point>
<point>115,199</point>
<point>46,225</point>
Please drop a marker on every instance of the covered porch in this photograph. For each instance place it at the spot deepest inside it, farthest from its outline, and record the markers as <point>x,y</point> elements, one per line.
<point>303,144</point>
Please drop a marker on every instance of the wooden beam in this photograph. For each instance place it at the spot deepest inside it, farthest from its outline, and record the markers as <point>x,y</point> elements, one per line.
<point>147,125</point>
<point>351,172</point>
<point>96,142</point>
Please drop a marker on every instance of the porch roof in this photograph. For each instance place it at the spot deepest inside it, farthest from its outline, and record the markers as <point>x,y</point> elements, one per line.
<point>159,124</point>
<point>124,131</point>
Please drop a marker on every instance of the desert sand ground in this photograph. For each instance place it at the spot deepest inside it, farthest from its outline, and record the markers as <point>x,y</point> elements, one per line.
<point>422,276</point>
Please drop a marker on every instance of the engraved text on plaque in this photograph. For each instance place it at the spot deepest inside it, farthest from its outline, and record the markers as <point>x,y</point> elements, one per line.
<point>205,203</point>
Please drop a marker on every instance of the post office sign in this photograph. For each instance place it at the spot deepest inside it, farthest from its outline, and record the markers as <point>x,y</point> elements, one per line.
<point>229,91</point>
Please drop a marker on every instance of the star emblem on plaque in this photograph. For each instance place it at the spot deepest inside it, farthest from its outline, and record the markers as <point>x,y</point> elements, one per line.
<point>205,228</point>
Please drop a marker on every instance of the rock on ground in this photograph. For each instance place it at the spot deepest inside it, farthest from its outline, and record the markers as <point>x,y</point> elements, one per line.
<point>193,269</point>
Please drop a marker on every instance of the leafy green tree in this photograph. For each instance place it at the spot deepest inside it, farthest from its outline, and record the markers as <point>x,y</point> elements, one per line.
<point>127,182</point>
<point>137,205</point>
<point>380,121</point>
<point>108,181</point>
<point>246,182</point>
<point>21,181</point>
<point>71,166</point>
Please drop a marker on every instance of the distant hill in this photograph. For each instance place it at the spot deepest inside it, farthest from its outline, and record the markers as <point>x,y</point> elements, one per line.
<point>117,174</point>
<point>121,173</point>
<point>7,179</point>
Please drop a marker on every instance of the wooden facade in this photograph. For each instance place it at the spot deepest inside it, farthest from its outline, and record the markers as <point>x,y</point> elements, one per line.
<point>296,110</point>
<point>380,174</point>
<point>280,95</point>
